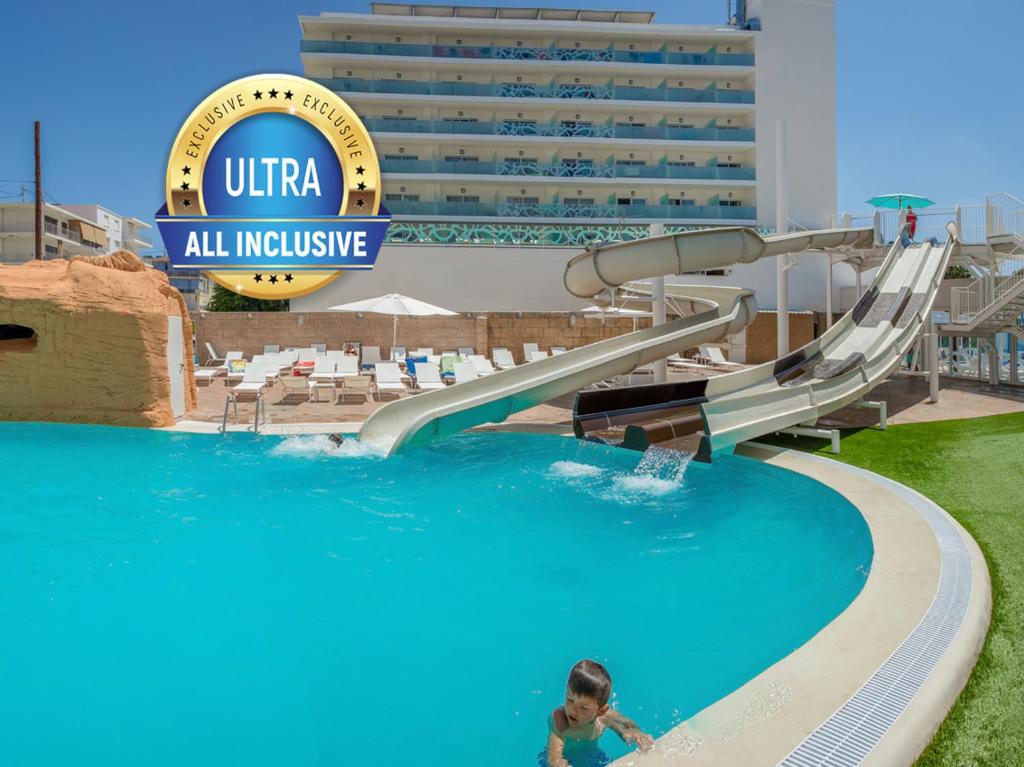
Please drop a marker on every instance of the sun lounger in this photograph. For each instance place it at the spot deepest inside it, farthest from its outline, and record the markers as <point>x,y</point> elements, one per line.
<point>357,386</point>
<point>236,375</point>
<point>528,349</point>
<point>465,351</point>
<point>307,355</point>
<point>537,355</point>
<point>398,353</point>
<point>254,380</point>
<point>482,364</point>
<point>424,351</point>
<point>465,371</point>
<point>371,356</point>
<point>557,350</point>
<point>271,348</point>
<point>503,359</point>
<point>316,384</point>
<point>348,366</point>
<point>388,379</point>
<point>206,375</point>
<point>294,387</point>
<point>319,348</point>
<point>324,370</point>
<point>428,376</point>
<point>714,356</point>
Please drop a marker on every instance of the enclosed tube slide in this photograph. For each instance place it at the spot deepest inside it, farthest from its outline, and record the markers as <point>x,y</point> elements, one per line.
<point>592,275</point>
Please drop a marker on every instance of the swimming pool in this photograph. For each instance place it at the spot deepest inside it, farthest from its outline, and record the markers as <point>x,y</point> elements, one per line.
<point>170,599</point>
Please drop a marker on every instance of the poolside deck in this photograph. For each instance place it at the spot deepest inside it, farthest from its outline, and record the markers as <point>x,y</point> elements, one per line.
<point>906,398</point>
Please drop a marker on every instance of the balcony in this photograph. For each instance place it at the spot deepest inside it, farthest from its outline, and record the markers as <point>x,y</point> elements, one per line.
<point>567,170</point>
<point>458,210</point>
<point>709,95</point>
<point>513,53</point>
<point>557,129</point>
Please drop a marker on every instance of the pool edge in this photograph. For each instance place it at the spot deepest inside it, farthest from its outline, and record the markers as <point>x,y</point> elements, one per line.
<point>771,716</point>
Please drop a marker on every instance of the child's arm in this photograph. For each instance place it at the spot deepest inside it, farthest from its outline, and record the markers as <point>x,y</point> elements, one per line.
<point>628,730</point>
<point>556,723</point>
<point>555,748</point>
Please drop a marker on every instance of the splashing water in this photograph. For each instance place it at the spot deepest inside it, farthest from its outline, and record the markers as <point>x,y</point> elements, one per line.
<point>659,472</point>
<point>573,470</point>
<point>317,445</point>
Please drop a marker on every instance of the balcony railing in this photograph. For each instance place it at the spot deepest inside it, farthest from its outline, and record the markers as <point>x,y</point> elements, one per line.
<point>568,210</point>
<point>505,52</point>
<point>710,94</point>
<point>567,170</point>
<point>558,129</point>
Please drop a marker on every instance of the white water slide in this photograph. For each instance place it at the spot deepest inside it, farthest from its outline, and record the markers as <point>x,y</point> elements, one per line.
<point>428,416</point>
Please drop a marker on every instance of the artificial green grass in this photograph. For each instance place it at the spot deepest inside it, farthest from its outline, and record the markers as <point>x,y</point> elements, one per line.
<point>974,469</point>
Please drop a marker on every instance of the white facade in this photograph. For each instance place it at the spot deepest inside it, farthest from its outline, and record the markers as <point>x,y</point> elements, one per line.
<point>65,233</point>
<point>122,231</point>
<point>501,131</point>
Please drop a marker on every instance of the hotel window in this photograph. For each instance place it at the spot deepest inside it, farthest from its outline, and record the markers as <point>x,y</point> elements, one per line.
<point>630,125</point>
<point>460,119</point>
<point>521,160</point>
<point>629,162</point>
<point>398,117</point>
<point>729,165</point>
<point>401,197</point>
<point>521,200</point>
<point>462,198</point>
<point>460,158</point>
<point>630,201</point>
<point>578,202</point>
<point>682,202</point>
<point>400,157</point>
<point>681,163</point>
<point>729,203</point>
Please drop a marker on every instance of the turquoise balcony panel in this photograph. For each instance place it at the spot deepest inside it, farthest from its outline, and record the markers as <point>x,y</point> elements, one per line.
<point>503,52</point>
<point>566,170</point>
<point>529,90</point>
<point>560,130</point>
<point>458,210</point>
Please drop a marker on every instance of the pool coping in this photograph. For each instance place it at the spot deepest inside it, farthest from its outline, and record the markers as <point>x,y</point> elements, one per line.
<point>815,706</point>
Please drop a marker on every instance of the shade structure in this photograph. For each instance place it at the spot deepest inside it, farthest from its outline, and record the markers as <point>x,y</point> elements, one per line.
<point>615,311</point>
<point>396,305</point>
<point>899,199</point>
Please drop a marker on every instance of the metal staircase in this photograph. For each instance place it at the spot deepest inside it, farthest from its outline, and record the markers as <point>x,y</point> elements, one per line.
<point>994,302</point>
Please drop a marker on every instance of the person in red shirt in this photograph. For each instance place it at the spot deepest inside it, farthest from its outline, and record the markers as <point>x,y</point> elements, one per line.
<point>911,222</point>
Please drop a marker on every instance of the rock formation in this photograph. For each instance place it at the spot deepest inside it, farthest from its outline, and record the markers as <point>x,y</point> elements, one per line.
<point>85,341</point>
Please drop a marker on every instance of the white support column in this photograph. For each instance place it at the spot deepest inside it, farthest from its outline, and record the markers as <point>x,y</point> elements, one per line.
<point>860,284</point>
<point>933,361</point>
<point>828,291</point>
<point>659,309</point>
<point>993,362</point>
<point>782,261</point>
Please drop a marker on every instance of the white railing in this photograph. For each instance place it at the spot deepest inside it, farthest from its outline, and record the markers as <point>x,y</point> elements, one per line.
<point>1004,214</point>
<point>975,298</point>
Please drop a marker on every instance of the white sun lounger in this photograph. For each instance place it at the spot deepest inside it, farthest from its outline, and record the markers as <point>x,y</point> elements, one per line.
<point>557,350</point>
<point>371,356</point>
<point>465,351</point>
<point>503,359</point>
<point>482,364</point>
<point>348,365</point>
<point>428,376</point>
<point>254,380</point>
<point>388,378</point>
<point>206,375</point>
<point>324,369</point>
<point>423,351</point>
<point>397,353</point>
<point>271,348</point>
<point>713,355</point>
<point>537,355</point>
<point>529,349</point>
<point>320,348</point>
<point>465,371</point>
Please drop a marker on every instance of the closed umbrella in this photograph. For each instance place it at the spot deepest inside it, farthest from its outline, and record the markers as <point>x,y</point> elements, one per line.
<point>396,305</point>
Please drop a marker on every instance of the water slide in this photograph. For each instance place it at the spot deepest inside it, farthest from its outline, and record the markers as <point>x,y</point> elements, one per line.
<point>593,275</point>
<point>839,367</point>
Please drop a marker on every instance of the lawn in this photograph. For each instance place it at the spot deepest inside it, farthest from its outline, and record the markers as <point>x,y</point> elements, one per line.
<point>974,469</point>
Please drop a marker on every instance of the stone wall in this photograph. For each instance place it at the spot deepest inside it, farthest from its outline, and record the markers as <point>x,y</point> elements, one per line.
<point>762,336</point>
<point>249,332</point>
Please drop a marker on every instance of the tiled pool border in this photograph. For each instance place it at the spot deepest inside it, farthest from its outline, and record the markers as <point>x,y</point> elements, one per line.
<point>872,687</point>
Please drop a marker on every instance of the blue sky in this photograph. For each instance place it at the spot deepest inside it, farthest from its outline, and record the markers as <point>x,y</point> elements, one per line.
<point>930,93</point>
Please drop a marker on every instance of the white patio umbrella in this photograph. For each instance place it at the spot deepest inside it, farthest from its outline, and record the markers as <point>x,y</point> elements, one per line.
<point>396,305</point>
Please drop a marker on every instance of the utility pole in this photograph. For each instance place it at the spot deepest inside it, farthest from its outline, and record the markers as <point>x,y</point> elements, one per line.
<point>39,201</point>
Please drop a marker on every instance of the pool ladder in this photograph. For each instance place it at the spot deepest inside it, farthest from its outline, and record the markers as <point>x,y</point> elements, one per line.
<point>261,407</point>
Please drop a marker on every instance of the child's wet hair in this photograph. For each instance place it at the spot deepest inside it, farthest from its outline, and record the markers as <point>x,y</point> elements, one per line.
<point>590,678</point>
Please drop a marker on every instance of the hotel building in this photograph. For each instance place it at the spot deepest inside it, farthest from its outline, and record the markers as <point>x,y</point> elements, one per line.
<point>511,137</point>
<point>68,230</point>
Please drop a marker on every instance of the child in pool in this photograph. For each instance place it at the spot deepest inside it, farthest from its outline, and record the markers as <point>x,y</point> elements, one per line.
<point>575,726</point>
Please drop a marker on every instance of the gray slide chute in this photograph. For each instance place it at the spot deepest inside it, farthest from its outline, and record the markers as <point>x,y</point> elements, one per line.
<point>593,274</point>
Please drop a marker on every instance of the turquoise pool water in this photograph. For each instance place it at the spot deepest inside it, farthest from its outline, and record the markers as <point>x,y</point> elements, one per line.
<point>202,600</point>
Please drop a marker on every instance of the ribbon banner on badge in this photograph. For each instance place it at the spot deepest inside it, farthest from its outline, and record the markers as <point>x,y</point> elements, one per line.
<point>273,189</point>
